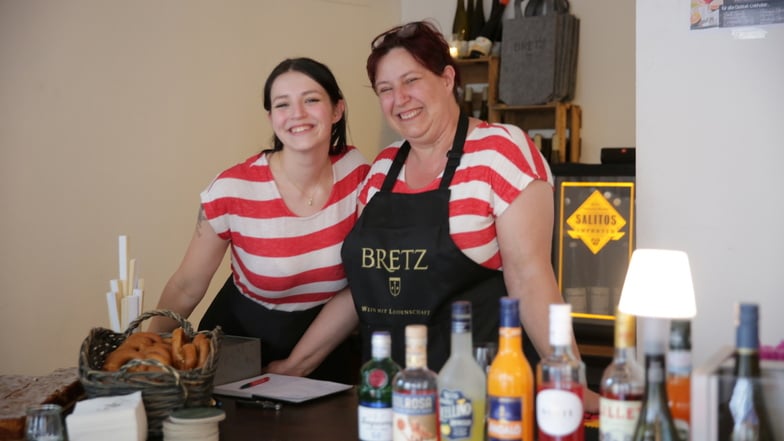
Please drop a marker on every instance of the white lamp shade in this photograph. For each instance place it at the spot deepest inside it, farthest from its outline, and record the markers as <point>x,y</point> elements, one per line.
<point>658,284</point>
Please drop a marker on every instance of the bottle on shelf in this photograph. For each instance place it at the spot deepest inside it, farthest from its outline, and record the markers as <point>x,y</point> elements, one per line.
<point>655,421</point>
<point>415,392</point>
<point>476,18</point>
<point>375,390</point>
<point>510,381</point>
<point>537,8</point>
<point>468,101</point>
<point>679,376</point>
<point>462,383</point>
<point>747,412</point>
<point>460,28</point>
<point>559,383</point>
<point>490,32</point>
<point>622,384</point>
<point>470,12</point>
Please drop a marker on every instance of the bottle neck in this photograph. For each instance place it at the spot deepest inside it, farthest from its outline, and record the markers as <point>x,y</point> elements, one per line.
<point>461,343</point>
<point>625,353</point>
<point>416,355</point>
<point>510,339</point>
<point>747,363</point>
<point>655,390</point>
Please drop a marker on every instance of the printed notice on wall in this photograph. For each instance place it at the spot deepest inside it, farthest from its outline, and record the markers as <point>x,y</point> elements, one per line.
<point>706,14</point>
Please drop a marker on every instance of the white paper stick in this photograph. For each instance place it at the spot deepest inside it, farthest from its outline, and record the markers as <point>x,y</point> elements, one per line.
<point>114,316</point>
<point>123,257</point>
<point>132,310</point>
<point>138,292</point>
<point>131,275</point>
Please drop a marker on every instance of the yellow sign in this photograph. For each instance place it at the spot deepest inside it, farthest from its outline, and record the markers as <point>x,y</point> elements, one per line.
<point>596,222</point>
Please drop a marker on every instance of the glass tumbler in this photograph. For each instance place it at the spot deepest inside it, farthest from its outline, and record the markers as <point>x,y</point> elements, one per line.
<point>44,423</point>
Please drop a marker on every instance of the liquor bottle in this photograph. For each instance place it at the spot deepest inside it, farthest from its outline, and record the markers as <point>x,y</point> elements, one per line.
<point>490,32</point>
<point>559,396</point>
<point>415,392</point>
<point>746,407</point>
<point>476,18</point>
<point>622,385</point>
<point>375,390</point>
<point>510,381</point>
<point>655,421</point>
<point>679,376</point>
<point>462,383</point>
<point>460,22</point>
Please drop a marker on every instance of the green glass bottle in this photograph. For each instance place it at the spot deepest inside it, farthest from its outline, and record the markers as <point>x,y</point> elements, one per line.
<point>375,391</point>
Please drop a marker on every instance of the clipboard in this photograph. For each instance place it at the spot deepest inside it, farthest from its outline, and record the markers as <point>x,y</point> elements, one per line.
<point>283,388</point>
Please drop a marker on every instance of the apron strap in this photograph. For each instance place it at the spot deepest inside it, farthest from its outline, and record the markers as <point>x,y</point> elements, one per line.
<point>452,162</point>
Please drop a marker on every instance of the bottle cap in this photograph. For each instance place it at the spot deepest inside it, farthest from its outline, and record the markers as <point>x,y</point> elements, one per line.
<point>560,324</point>
<point>510,312</point>
<point>461,316</point>
<point>747,330</point>
<point>380,343</point>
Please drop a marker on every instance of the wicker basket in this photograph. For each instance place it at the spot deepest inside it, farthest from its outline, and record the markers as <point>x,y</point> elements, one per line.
<point>162,392</point>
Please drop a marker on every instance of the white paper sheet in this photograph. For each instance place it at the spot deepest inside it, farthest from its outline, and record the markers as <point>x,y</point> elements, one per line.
<point>282,388</point>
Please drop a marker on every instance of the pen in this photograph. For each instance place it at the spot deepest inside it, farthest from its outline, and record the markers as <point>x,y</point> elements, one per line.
<point>264,404</point>
<point>256,382</point>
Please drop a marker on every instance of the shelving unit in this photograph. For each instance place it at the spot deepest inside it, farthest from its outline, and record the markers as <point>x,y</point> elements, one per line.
<point>557,116</point>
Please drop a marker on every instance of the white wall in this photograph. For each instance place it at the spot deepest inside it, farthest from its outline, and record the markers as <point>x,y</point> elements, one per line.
<point>709,154</point>
<point>114,115</point>
<point>605,70</point>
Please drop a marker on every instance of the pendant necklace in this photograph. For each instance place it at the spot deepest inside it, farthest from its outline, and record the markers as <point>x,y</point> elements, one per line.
<point>301,191</point>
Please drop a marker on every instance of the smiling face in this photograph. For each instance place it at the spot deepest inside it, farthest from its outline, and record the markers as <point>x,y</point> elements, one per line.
<point>416,102</point>
<point>301,113</point>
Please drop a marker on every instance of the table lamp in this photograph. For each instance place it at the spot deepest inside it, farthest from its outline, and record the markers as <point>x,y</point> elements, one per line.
<point>658,287</point>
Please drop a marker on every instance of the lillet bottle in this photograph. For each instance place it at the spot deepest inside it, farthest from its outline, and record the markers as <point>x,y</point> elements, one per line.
<point>415,392</point>
<point>461,383</point>
<point>510,381</point>
<point>559,383</point>
<point>375,391</point>
<point>622,384</point>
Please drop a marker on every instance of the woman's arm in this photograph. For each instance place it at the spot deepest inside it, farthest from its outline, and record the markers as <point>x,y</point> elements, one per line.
<point>189,283</point>
<point>332,325</point>
<point>525,232</point>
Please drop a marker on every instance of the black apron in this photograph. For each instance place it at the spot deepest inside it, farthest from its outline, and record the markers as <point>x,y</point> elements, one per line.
<point>279,331</point>
<point>404,268</point>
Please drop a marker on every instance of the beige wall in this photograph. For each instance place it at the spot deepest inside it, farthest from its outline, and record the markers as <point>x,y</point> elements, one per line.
<point>114,115</point>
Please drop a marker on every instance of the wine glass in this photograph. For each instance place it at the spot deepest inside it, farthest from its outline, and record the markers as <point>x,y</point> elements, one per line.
<point>44,423</point>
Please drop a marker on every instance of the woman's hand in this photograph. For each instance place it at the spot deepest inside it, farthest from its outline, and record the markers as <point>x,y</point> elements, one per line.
<point>590,401</point>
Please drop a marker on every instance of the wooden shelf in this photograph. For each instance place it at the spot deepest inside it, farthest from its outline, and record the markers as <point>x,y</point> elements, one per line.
<point>556,116</point>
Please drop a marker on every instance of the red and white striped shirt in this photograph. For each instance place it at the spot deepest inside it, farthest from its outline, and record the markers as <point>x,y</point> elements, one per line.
<point>281,260</point>
<point>498,162</point>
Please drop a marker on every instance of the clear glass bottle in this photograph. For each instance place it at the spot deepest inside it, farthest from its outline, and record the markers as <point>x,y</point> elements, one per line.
<point>375,390</point>
<point>655,421</point>
<point>679,376</point>
<point>749,415</point>
<point>510,381</point>
<point>415,392</point>
<point>462,383</point>
<point>622,385</point>
<point>460,22</point>
<point>559,383</point>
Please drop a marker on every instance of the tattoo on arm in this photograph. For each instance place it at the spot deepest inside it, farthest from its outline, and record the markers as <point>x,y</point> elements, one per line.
<point>199,220</point>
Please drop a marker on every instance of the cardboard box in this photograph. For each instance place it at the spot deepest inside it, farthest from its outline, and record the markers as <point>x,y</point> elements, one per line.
<point>240,357</point>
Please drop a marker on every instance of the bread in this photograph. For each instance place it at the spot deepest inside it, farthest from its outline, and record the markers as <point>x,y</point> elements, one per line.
<point>18,392</point>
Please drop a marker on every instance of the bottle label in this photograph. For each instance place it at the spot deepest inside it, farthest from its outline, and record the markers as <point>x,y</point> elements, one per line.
<point>414,416</point>
<point>456,414</point>
<point>377,378</point>
<point>558,412</point>
<point>617,419</point>
<point>375,424</point>
<point>505,418</point>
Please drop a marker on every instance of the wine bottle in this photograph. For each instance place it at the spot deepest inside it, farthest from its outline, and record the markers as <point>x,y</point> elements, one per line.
<point>477,18</point>
<point>375,390</point>
<point>490,32</point>
<point>460,22</point>
<point>679,376</point>
<point>510,381</point>
<point>622,384</point>
<point>461,383</point>
<point>559,396</point>
<point>415,392</point>
<point>747,406</point>
<point>470,12</point>
<point>537,8</point>
<point>655,421</point>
